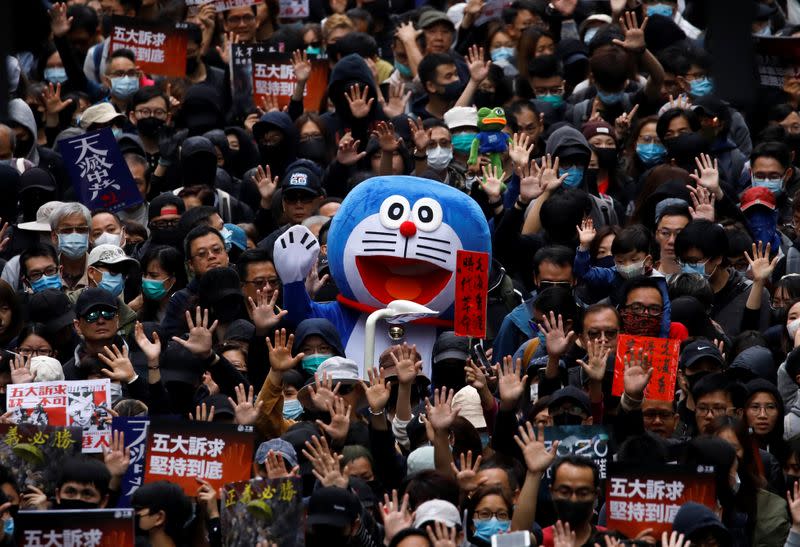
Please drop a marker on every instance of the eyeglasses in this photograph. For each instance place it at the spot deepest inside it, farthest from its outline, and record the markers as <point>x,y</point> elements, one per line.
<point>236,20</point>
<point>651,415</point>
<point>641,309</point>
<point>203,254</point>
<point>716,411</point>
<point>550,284</point>
<point>485,514</point>
<point>159,113</point>
<point>262,282</point>
<point>310,137</point>
<point>132,73</point>
<point>565,492</point>
<point>164,224</point>
<point>36,275</point>
<point>94,315</point>
<point>73,230</point>
<point>35,352</point>
<point>596,334</point>
<point>769,408</point>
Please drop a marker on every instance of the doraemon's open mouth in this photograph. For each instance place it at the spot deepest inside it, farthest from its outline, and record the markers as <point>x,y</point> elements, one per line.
<point>389,278</point>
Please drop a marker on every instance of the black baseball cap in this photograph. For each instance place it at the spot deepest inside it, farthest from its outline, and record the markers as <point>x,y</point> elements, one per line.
<point>301,179</point>
<point>52,308</point>
<point>573,394</point>
<point>696,350</point>
<point>333,506</point>
<point>94,297</point>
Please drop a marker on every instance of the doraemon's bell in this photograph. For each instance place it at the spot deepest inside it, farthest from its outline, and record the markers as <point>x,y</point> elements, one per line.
<point>396,332</point>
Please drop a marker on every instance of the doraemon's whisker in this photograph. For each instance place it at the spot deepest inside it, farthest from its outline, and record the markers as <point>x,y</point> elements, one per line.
<point>377,241</point>
<point>432,257</point>
<point>434,239</point>
<point>378,250</point>
<point>445,251</point>
<point>393,234</point>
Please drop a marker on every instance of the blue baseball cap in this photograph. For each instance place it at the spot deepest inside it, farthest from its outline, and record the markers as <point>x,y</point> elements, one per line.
<point>284,448</point>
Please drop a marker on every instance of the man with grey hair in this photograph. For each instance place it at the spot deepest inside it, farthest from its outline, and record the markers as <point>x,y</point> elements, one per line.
<point>69,225</point>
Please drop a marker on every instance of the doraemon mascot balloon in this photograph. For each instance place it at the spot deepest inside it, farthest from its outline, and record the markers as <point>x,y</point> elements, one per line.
<point>394,237</point>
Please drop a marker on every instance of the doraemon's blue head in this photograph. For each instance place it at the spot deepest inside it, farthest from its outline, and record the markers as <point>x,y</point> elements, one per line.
<point>396,238</point>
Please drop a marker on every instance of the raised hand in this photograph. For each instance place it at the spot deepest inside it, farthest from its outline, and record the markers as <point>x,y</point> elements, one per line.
<point>467,475</point>
<point>702,203</point>
<point>681,101</point>
<point>224,51</point>
<point>262,311</point>
<point>117,457</point>
<point>326,463</point>
<point>408,367</point>
<point>387,139</point>
<point>121,367</point>
<point>322,391</point>
<point>634,34</point>
<point>379,389</point>
<point>340,420</point>
<point>537,457</point>
<point>151,350</point>
<point>201,336</point>
<point>419,134</point>
<point>793,497</point>
<point>276,468</point>
<point>622,125</point>
<point>563,536</point>
<point>280,354</point>
<point>269,103</point>
<point>550,178</point>
<point>347,152</point>
<point>314,282</point>
<point>21,370</point>
<point>477,64</point>
<point>557,338</point>
<point>395,515</point>
<point>586,233</point>
<point>520,148</point>
<point>760,264</point>
<point>398,99</point>
<point>597,358</point>
<point>707,174</point>
<point>51,97</point>
<point>407,33</point>
<point>475,376</point>
<point>530,181</point>
<point>509,383</point>
<point>244,410</point>
<point>301,66</point>
<point>675,539</point>
<point>357,101</point>
<point>206,495</point>
<point>442,536</point>
<point>59,22</point>
<point>442,414</point>
<point>202,413</point>
<point>492,182</point>
<point>565,7</point>
<point>638,371</point>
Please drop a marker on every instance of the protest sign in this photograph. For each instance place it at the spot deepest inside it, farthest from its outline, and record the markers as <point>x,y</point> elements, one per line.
<point>661,353</point>
<point>472,286</point>
<point>193,7</point>
<point>82,403</point>
<point>293,9</point>
<point>589,441</point>
<point>33,453</point>
<point>225,5</point>
<point>273,75</point>
<point>776,58</point>
<point>261,509</point>
<point>182,451</point>
<point>85,527</point>
<point>135,430</point>
<point>160,48</point>
<point>492,9</point>
<point>650,497</point>
<point>98,171</point>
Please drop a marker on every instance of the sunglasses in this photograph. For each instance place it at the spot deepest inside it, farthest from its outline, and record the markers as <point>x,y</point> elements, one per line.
<point>94,315</point>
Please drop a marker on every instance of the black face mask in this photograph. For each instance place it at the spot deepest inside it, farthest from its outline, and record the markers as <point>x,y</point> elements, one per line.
<point>484,99</point>
<point>23,147</point>
<point>228,310</point>
<point>314,149</point>
<point>325,536</point>
<point>694,378</point>
<point>149,127</point>
<point>76,504</point>
<point>606,158</point>
<point>452,91</point>
<point>777,316</point>
<point>576,513</point>
<point>165,236</point>
<point>567,419</point>
<point>191,64</point>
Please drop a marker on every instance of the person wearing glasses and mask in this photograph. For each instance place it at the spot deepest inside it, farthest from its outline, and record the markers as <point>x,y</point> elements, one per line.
<point>69,226</point>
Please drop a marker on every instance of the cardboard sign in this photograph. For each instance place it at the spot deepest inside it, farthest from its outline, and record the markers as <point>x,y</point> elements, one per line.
<point>258,510</point>
<point>135,430</point>
<point>590,441</point>
<point>159,48</point>
<point>637,499</point>
<point>662,353</point>
<point>492,9</point>
<point>83,404</point>
<point>98,171</point>
<point>293,9</point>
<point>182,451</point>
<point>86,527</point>
<point>225,5</point>
<point>472,286</point>
<point>777,57</point>
<point>273,75</point>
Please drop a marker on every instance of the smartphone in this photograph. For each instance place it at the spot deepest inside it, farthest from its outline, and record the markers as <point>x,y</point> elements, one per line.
<point>514,539</point>
<point>479,356</point>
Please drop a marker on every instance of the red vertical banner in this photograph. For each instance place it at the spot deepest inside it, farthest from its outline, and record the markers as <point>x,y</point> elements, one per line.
<point>273,75</point>
<point>159,48</point>
<point>661,353</point>
<point>472,286</point>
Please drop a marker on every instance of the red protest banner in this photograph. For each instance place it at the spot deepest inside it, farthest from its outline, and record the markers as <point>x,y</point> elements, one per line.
<point>662,353</point>
<point>637,499</point>
<point>472,285</point>
<point>159,48</point>
<point>273,75</point>
<point>180,452</point>
<point>96,527</point>
<point>225,5</point>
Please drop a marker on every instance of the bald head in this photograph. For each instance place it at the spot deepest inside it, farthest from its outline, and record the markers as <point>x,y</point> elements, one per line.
<point>8,142</point>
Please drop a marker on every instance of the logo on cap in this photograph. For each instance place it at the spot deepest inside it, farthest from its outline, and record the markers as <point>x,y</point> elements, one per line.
<point>298,179</point>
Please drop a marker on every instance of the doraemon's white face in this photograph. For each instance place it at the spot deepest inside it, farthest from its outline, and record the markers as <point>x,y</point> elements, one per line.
<point>404,252</point>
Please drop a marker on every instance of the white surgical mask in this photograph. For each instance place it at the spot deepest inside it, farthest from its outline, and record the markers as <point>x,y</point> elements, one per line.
<point>632,270</point>
<point>792,326</point>
<point>107,238</point>
<point>439,158</point>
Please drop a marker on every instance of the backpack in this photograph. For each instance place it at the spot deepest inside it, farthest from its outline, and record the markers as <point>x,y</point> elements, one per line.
<point>603,211</point>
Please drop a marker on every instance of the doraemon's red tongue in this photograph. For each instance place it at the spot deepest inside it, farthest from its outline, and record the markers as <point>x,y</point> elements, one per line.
<point>389,278</point>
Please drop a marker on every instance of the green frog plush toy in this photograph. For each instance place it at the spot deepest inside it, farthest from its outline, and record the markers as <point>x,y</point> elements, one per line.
<point>490,140</point>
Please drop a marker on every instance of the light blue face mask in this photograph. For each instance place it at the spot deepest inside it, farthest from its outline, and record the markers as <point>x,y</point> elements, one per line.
<point>46,282</point>
<point>404,70</point>
<point>292,408</point>
<point>313,50</point>
<point>312,362</point>
<point>587,37</point>
<point>651,153</point>
<point>486,528</point>
<point>55,75</point>
<point>117,132</point>
<point>700,87</point>
<point>153,289</point>
<point>773,185</point>
<point>113,283</point>
<point>610,98</point>
<point>73,246</point>
<point>503,54</point>
<point>124,87</point>
<point>574,176</point>
<point>698,268</point>
<point>8,527</point>
<point>555,100</point>
<point>462,142</point>
<point>659,9</point>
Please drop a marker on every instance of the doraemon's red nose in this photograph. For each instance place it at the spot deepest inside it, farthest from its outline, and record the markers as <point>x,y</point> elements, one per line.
<point>408,229</point>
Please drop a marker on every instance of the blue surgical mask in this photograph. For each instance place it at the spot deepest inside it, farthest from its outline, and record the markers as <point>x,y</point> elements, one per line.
<point>404,70</point>
<point>574,176</point>
<point>587,37</point>
<point>503,54</point>
<point>554,100</point>
<point>113,283</point>
<point>659,9</point>
<point>773,185</point>
<point>124,87</point>
<point>227,238</point>
<point>46,282</point>
<point>311,50</point>
<point>651,153</point>
<point>55,75</point>
<point>8,527</point>
<point>700,87</point>
<point>610,98</point>
<point>699,268</point>
<point>153,289</point>
<point>292,408</point>
<point>312,362</point>
<point>462,142</point>
<point>117,132</point>
<point>486,528</point>
<point>73,246</point>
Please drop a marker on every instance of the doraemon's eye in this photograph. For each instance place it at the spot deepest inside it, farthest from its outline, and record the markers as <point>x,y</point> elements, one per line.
<point>427,214</point>
<point>394,211</point>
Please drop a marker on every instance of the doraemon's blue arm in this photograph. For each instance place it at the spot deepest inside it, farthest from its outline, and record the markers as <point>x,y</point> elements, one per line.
<point>300,306</point>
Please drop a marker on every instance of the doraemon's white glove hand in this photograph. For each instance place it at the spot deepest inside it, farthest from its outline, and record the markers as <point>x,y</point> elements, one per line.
<point>295,253</point>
